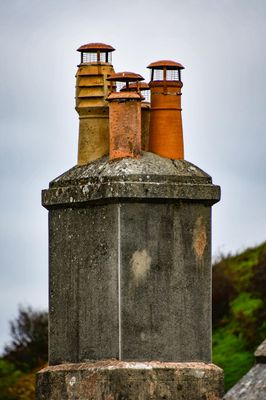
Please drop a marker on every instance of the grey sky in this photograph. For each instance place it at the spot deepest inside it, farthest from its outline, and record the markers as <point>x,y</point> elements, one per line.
<point>221,44</point>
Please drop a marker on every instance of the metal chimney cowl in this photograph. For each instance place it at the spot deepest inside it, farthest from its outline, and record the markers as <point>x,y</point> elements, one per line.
<point>130,279</point>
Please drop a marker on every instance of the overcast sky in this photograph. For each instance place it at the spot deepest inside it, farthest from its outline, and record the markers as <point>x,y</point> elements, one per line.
<point>221,43</point>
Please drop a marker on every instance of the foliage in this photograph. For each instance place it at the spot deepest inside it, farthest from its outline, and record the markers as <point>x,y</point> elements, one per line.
<point>8,377</point>
<point>230,354</point>
<point>239,311</point>
<point>24,356</point>
<point>24,387</point>
<point>29,345</point>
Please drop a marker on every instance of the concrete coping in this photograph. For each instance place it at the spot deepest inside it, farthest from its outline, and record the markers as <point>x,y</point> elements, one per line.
<point>196,368</point>
<point>149,178</point>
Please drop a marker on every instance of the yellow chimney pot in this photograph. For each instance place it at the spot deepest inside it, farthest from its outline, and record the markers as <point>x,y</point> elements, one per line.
<point>92,88</point>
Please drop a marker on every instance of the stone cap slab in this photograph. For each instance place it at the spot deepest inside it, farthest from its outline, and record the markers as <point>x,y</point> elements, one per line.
<point>196,369</point>
<point>148,178</point>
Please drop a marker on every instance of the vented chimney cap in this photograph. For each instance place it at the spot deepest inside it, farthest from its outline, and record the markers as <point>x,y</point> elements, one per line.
<point>93,47</point>
<point>168,64</point>
<point>125,77</point>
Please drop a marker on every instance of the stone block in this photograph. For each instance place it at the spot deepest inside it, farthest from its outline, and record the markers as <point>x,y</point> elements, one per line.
<point>117,380</point>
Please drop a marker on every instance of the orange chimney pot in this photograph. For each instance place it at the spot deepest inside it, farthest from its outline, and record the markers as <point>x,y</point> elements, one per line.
<point>166,132</point>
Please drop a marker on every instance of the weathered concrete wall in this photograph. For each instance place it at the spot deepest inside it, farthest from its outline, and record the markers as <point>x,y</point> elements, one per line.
<point>165,282</point>
<point>83,284</point>
<point>130,274</point>
<point>113,380</point>
<point>130,280</point>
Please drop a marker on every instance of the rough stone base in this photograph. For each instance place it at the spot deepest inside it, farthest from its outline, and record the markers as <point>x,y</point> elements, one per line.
<point>120,380</point>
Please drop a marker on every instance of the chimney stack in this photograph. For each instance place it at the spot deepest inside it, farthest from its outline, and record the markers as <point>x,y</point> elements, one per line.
<point>166,132</point>
<point>129,251</point>
<point>92,89</point>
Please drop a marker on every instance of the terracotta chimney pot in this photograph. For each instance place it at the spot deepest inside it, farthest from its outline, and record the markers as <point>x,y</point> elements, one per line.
<point>166,132</point>
<point>125,117</point>
<point>92,88</point>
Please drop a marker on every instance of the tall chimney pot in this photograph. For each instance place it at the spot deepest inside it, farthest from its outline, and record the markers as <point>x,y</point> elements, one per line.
<point>92,89</point>
<point>166,132</point>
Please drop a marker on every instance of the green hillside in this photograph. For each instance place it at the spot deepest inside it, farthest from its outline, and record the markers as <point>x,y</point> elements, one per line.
<point>239,311</point>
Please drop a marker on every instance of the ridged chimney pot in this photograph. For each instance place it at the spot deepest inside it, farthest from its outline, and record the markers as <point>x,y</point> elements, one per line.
<point>92,88</point>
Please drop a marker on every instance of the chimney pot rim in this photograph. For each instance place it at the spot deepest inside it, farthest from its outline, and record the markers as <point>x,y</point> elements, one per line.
<point>124,95</point>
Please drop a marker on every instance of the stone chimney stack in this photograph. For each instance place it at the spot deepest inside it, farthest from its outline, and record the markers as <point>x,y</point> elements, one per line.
<point>92,89</point>
<point>130,262</point>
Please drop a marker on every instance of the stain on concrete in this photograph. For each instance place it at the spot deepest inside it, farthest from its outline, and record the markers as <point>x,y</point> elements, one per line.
<point>140,266</point>
<point>199,237</point>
